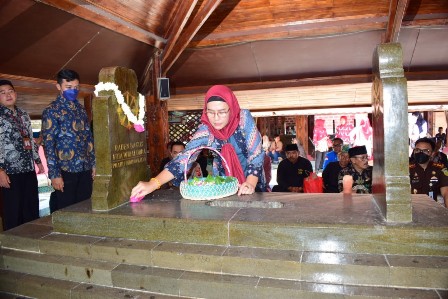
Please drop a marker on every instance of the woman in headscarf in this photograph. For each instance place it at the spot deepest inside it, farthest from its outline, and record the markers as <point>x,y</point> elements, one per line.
<point>227,128</point>
<point>363,135</point>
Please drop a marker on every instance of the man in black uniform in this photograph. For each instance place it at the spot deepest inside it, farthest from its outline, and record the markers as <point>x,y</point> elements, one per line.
<point>292,171</point>
<point>330,175</point>
<point>428,177</point>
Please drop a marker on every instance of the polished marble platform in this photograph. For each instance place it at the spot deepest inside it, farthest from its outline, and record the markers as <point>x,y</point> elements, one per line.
<point>316,222</point>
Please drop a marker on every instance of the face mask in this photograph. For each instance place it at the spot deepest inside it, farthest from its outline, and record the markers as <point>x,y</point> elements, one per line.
<point>70,94</point>
<point>421,158</point>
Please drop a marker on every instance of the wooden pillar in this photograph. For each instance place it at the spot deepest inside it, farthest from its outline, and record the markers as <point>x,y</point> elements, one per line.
<point>391,184</point>
<point>432,130</point>
<point>157,122</point>
<point>88,106</point>
<point>263,125</point>
<point>302,131</point>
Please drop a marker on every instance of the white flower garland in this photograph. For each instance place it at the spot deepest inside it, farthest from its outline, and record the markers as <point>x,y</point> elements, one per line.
<point>124,106</point>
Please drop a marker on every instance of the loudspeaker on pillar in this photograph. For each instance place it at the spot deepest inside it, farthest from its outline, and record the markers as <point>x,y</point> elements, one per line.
<point>164,88</point>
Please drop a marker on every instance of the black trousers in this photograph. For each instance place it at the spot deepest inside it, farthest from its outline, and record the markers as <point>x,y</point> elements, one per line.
<point>21,200</point>
<point>77,187</point>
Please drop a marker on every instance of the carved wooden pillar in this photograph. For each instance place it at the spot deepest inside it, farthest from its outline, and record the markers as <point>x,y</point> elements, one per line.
<point>432,130</point>
<point>157,122</point>
<point>302,131</point>
<point>391,184</point>
<point>263,125</point>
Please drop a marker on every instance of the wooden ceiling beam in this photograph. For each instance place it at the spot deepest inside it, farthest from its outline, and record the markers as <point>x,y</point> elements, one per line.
<point>185,10</point>
<point>316,81</point>
<point>206,9</point>
<point>426,22</point>
<point>36,85</point>
<point>88,11</point>
<point>314,28</point>
<point>309,30</point>
<point>397,10</point>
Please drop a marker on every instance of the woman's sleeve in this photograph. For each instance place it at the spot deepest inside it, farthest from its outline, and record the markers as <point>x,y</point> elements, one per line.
<point>177,165</point>
<point>253,144</point>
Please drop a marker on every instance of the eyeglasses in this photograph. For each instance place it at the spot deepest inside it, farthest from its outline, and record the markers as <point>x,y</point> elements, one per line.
<point>422,150</point>
<point>5,92</point>
<point>220,114</point>
<point>362,158</point>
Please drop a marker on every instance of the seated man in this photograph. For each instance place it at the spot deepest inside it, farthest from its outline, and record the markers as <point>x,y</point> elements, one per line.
<point>330,175</point>
<point>292,171</point>
<point>333,155</point>
<point>428,177</point>
<point>275,151</point>
<point>359,170</point>
<point>174,148</point>
<point>438,156</point>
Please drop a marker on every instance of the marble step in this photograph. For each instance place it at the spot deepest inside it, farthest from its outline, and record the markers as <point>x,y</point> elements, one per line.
<point>135,281</point>
<point>14,284</point>
<point>312,266</point>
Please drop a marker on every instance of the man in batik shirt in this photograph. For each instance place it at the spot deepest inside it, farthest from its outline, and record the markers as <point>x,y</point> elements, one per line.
<point>68,144</point>
<point>359,170</point>
<point>18,153</point>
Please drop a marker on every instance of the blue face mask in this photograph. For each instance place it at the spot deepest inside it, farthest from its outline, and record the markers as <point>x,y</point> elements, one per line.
<point>70,94</point>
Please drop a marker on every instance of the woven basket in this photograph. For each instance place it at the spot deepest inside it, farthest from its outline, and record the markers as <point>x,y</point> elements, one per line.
<point>208,192</point>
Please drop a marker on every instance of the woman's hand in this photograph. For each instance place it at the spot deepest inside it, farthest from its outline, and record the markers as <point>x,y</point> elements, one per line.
<point>296,189</point>
<point>246,188</point>
<point>144,188</point>
<point>141,189</point>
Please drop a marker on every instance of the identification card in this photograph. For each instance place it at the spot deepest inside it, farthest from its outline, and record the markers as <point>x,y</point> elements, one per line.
<point>27,143</point>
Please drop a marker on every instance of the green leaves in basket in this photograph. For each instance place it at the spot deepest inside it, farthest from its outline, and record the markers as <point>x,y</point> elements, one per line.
<point>210,180</point>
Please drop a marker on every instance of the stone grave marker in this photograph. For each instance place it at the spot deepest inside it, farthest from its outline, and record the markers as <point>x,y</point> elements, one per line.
<point>120,150</point>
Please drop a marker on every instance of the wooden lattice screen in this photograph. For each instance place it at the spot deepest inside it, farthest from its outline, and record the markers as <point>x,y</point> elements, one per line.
<point>184,128</point>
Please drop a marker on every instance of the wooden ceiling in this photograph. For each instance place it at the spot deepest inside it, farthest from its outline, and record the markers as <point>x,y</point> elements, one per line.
<point>254,46</point>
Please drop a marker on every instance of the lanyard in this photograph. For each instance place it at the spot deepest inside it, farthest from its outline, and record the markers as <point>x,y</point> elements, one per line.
<point>19,123</point>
